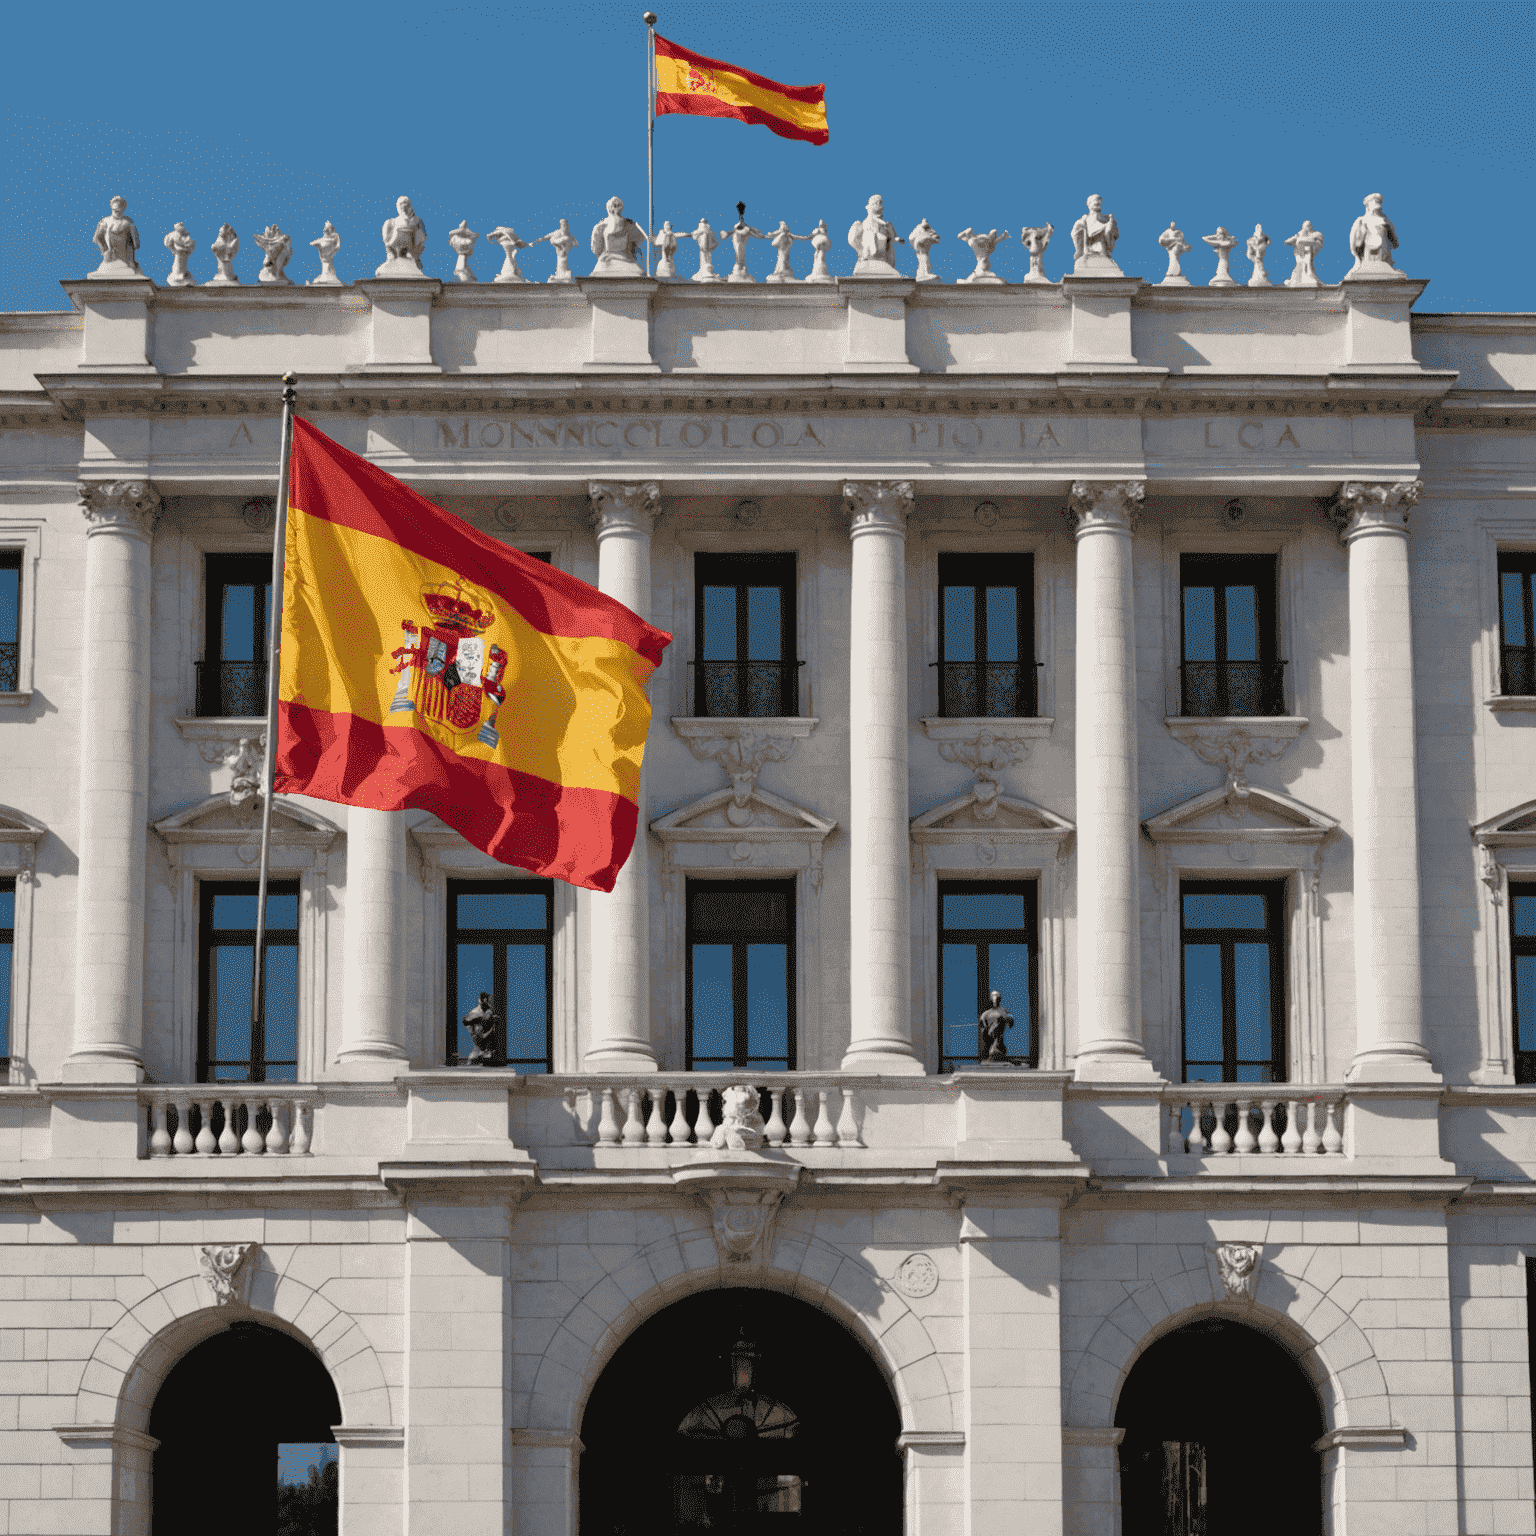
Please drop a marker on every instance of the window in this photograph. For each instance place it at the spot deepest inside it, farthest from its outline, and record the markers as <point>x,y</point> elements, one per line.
<point>740,984</point>
<point>7,949</point>
<point>744,634</point>
<point>1233,969</point>
<point>1229,662</point>
<point>232,677</point>
<point>1522,952</point>
<point>10,620</point>
<point>1517,623</point>
<point>986,635</point>
<point>987,943</point>
<point>229,1050</point>
<point>501,941</point>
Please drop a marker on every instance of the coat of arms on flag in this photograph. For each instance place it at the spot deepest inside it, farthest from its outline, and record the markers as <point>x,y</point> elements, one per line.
<point>446,675</point>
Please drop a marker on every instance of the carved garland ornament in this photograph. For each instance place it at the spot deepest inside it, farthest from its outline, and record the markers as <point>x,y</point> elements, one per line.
<point>247,758</point>
<point>742,755</point>
<point>227,1268</point>
<point>986,756</point>
<point>1239,1266</point>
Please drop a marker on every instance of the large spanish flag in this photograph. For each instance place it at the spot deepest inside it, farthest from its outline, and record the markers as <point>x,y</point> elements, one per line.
<point>427,666</point>
<point>689,82</point>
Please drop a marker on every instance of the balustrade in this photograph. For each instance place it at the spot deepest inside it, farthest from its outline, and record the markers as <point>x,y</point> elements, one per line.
<point>231,1120</point>
<point>1267,1123</point>
<point>688,1112</point>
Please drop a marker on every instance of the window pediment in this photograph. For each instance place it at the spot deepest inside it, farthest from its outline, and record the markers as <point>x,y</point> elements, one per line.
<point>1511,829</point>
<point>216,821</point>
<point>20,838</point>
<point>728,816</point>
<point>960,819</point>
<point>1253,816</point>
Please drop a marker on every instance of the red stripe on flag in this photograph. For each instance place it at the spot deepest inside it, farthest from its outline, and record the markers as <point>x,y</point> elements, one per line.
<point>814,95</point>
<point>712,106</point>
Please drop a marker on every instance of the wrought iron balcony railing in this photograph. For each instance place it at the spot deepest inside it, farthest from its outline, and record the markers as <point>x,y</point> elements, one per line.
<point>1517,669</point>
<point>10,665</point>
<point>232,689</point>
<point>1233,687</point>
<point>723,689</point>
<point>994,689</point>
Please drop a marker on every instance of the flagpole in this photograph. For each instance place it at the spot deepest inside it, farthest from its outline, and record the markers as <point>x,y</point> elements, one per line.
<point>274,639</point>
<point>650,136</point>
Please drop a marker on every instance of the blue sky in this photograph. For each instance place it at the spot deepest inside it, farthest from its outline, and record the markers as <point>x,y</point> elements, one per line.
<point>987,115</point>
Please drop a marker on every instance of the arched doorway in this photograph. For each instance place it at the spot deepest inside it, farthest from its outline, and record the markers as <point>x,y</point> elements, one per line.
<point>741,1413</point>
<point>220,1415</point>
<point>1219,1425</point>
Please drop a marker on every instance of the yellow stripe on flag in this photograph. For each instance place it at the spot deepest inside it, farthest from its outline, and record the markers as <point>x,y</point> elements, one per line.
<point>677,77</point>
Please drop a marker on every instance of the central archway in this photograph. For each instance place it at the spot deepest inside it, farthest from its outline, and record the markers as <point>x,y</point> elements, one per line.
<point>741,1413</point>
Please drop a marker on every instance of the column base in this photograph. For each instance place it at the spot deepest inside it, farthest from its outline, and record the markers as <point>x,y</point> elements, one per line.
<point>883,1063</point>
<point>620,1059</point>
<point>371,1066</point>
<point>1392,1068</point>
<point>83,1067</point>
<point>1116,1067</point>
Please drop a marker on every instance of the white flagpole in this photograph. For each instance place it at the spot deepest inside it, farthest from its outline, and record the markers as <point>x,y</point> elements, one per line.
<point>650,136</point>
<point>274,639</point>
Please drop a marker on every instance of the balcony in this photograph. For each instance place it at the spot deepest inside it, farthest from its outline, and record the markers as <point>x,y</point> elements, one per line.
<point>231,689</point>
<point>731,689</point>
<point>1517,670</point>
<point>1213,688</point>
<point>988,689</point>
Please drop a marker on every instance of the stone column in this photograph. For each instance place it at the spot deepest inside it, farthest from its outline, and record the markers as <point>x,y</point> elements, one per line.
<point>1108,810</point>
<point>620,1038</point>
<point>114,782</point>
<point>373,1024</point>
<point>879,843</point>
<point>1389,1015</point>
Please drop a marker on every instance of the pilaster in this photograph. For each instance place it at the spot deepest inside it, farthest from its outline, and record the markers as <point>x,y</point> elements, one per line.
<point>877,323</point>
<point>1101,320</point>
<point>117,315</point>
<point>400,332</point>
<point>621,323</point>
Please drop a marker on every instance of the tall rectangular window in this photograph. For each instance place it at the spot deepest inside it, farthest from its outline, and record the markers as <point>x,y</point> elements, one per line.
<point>7,952</point>
<point>232,677</point>
<point>10,620</point>
<point>501,941</point>
<point>987,943</point>
<point>1522,956</point>
<point>1233,965</point>
<point>741,975</point>
<point>231,1049</point>
<point>987,635</point>
<point>1517,622</point>
<point>1230,659</point>
<point>744,636</point>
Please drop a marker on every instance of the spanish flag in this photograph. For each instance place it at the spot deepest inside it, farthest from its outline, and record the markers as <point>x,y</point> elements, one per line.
<point>688,82</point>
<point>427,666</point>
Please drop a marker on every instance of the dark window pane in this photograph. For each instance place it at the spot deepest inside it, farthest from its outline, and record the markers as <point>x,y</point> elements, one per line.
<point>990,909</point>
<point>1002,623</point>
<point>234,910</point>
<point>5,997</point>
<point>1251,977</point>
<point>719,637</point>
<point>959,624</point>
<point>768,1002</point>
<point>1224,909</point>
<point>1525,916</point>
<point>238,630</point>
<point>1242,624</point>
<point>754,912</point>
<point>230,1002</point>
<point>1252,1072</point>
<point>713,1034</point>
<point>1203,1073</point>
<point>503,909</point>
<point>7,909</point>
<point>1199,624</point>
<point>1511,590</point>
<point>1525,1002</point>
<point>960,1003</point>
<point>280,1006</point>
<point>765,624</point>
<point>1202,1003</point>
<point>475,966</point>
<point>527,1005</point>
<point>10,603</point>
<point>1008,973</point>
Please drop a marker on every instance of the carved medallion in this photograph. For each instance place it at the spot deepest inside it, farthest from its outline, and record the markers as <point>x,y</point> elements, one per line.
<point>508,515</point>
<point>917,1277</point>
<point>259,513</point>
<point>986,513</point>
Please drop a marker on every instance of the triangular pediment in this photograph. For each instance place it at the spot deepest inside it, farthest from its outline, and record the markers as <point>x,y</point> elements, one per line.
<point>1256,815</point>
<point>17,827</point>
<point>1512,827</point>
<point>962,817</point>
<point>215,820</point>
<point>721,815</point>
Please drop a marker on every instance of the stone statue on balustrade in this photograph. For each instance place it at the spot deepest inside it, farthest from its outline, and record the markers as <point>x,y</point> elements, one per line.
<point>562,242</point>
<point>706,239</point>
<point>614,242</point>
<point>1306,243</point>
<point>982,247</point>
<point>1258,243</point>
<point>1223,244</point>
<point>1372,239</point>
<point>1093,242</point>
<point>741,233</point>
<point>463,241</point>
<point>1172,241</point>
<point>405,238</point>
<point>665,241</point>
<point>1035,242</point>
<point>994,1022</point>
<point>117,238</point>
<point>181,245</point>
<point>783,241</point>
<point>277,251</point>
<point>225,248</point>
<point>507,238</point>
<point>741,1127</point>
<point>874,239</point>
<point>482,1022</point>
<point>821,243</point>
<point>922,240</point>
<point>325,247</point>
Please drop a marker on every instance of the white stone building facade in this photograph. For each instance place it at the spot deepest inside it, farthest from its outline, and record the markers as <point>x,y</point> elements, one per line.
<point>466,1251</point>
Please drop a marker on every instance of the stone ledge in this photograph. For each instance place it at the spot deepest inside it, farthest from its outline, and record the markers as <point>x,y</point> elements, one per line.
<point>1511,703</point>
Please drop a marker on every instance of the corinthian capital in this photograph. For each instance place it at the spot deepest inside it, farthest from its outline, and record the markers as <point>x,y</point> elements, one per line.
<point>119,506</point>
<point>878,504</point>
<point>1366,507</point>
<point>1105,504</point>
<point>622,508</point>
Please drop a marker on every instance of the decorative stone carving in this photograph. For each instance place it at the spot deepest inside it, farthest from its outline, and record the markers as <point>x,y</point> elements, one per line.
<point>117,238</point>
<point>128,506</point>
<point>326,247</point>
<point>259,513</point>
<point>277,252</point>
<point>1093,242</point>
<point>224,249</point>
<point>982,247</point>
<point>783,241</point>
<point>741,751</point>
<point>887,502</point>
<point>181,245</point>
<point>917,1276</point>
<point>1306,243</point>
<point>463,241</point>
<point>986,514</point>
<point>1035,242</point>
<point>1239,1267</point>
<point>986,755</point>
<point>747,513</point>
<point>1114,503</point>
<point>1361,507</point>
<point>821,243</point>
<point>707,240</point>
<point>247,757</point>
<point>227,1269</point>
<point>666,243</point>
<point>743,1219</point>
<point>1234,514</point>
<point>509,514</point>
<point>562,242</point>
<point>741,234</point>
<point>994,1022</point>
<point>405,238</point>
<point>1236,748</point>
<point>614,242</point>
<point>1223,244</point>
<point>874,241</point>
<point>1258,243</point>
<point>741,1125</point>
<point>481,1022</point>
<point>1172,241</point>
<point>1372,239</point>
<point>635,505</point>
<point>922,240</point>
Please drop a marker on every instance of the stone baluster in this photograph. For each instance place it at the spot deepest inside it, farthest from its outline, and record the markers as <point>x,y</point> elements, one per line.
<point>826,1133</point>
<point>1175,1145</point>
<point>373,1011</point>
<point>299,1140</point>
<point>253,1142</point>
<point>775,1129</point>
<point>656,1125</point>
<point>1221,1137</point>
<point>680,1128</point>
<point>704,1125</point>
<point>277,1133</point>
<point>1389,1030</point>
<point>634,1126</point>
<point>608,1124</point>
<point>114,714</point>
<point>623,517</point>
<point>1197,1141</point>
<point>1290,1143</point>
<point>1108,810</point>
<point>847,1125</point>
<point>1245,1141</point>
<point>800,1125</point>
<point>229,1143</point>
<point>879,843</point>
<point>1269,1139</point>
<point>1312,1135</point>
<point>160,1136</point>
<point>182,1143</point>
<point>1333,1141</point>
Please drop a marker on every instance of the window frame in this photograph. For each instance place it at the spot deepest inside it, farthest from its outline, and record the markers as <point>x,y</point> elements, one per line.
<point>961,886</point>
<point>720,563</point>
<point>8,940</point>
<point>208,891</point>
<point>979,564</point>
<point>1522,1063</point>
<point>454,935</point>
<point>220,570</point>
<point>740,1061</point>
<point>1268,625</point>
<point>1523,563</point>
<point>23,538</point>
